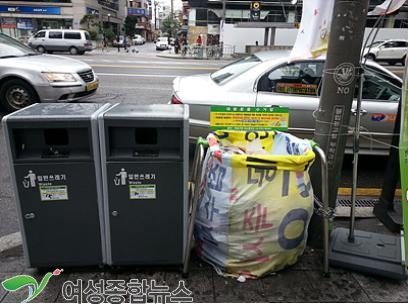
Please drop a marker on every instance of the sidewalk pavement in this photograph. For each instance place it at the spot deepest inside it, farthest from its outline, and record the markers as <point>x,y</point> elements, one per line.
<point>170,54</point>
<point>303,282</point>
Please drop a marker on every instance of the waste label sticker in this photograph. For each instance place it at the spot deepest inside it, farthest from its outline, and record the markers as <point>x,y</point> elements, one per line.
<point>142,191</point>
<point>249,118</point>
<point>54,193</point>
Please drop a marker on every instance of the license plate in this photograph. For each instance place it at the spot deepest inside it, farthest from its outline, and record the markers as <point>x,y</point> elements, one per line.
<point>92,86</point>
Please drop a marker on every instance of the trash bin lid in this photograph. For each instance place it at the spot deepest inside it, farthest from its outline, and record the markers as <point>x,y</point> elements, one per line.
<point>153,111</point>
<point>42,111</point>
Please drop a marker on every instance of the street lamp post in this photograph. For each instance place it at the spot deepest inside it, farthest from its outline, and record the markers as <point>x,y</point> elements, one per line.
<point>109,23</point>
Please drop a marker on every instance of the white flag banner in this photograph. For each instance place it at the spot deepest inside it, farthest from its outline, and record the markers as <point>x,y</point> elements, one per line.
<point>387,7</point>
<point>313,35</point>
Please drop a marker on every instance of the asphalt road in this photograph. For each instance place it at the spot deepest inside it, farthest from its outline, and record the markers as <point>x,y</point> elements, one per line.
<point>144,78</point>
<point>141,78</point>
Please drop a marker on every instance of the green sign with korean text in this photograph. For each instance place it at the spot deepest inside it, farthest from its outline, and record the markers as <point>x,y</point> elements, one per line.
<point>244,118</point>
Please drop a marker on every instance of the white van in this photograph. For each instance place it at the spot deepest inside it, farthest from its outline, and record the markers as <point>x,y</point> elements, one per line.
<point>72,41</point>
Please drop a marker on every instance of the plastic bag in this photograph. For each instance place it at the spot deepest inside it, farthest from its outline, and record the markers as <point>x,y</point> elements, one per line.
<point>254,209</point>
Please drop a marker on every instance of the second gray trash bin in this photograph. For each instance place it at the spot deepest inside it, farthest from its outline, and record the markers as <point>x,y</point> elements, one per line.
<point>144,152</point>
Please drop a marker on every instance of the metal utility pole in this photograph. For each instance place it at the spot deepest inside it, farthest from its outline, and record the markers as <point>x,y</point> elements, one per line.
<point>224,8</point>
<point>172,9</point>
<point>155,15</point>
<point>333,116</point>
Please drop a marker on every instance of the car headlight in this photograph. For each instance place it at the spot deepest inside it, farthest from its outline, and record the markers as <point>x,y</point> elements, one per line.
<point>54,77</point>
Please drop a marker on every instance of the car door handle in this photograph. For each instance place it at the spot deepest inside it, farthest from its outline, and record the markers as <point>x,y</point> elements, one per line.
<point>362,111</point>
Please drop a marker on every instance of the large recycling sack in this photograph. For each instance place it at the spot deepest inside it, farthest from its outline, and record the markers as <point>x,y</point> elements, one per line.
<point>255,202</point>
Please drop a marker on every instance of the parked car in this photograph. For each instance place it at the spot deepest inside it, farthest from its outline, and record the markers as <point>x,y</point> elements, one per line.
<point>72,41</point>
<point>391,51</point>
<point>271,78</point>
<point>28,77</point>
<point>162,43</point>
<point>138,39</point>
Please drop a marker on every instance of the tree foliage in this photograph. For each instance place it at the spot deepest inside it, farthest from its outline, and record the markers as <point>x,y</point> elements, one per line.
<point>170,26</point>
<point>130,25</point>
<point>89,21</point>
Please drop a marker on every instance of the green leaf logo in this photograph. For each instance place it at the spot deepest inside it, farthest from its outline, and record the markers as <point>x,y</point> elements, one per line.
<point>20,281</point>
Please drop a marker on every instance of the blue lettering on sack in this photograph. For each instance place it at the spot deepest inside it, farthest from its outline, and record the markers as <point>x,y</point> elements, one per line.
<point>216,175</point>
<point>210,209</point>
<point>257,176</point>
<point>292,147</point>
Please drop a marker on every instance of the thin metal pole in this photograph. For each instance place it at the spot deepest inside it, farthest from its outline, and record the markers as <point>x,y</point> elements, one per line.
<point>356,148</point>
<point>325,199</point>
<point>193,198</point>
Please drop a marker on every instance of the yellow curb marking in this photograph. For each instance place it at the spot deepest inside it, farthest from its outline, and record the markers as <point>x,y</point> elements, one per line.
<point>373,192</point>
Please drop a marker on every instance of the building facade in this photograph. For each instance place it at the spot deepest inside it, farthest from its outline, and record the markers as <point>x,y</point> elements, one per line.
<point>142,11</point>
<point>204,16</point>
<point>22,18</point>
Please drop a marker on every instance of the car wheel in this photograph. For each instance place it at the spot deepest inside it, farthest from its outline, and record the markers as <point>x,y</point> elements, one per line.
<point>73,51</point>
<point>370,57</point>
<point>41,49</point>
<point>16,94</point>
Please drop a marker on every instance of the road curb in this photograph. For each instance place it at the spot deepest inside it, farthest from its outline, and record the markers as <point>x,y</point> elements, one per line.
<point>10,241</point>
<point>192,58</point>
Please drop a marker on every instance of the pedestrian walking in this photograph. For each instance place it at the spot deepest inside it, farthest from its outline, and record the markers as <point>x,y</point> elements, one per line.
<point>176,45</point>
<point>118,42</point>
<point>125,43</point>
<point>199,40</point>
<point>104,45</point>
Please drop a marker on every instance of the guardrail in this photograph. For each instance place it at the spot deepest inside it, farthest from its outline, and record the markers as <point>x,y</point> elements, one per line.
<point>206,52</point>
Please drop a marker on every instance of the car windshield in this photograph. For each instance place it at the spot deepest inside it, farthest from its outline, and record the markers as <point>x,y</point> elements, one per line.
<point>236,68</point>
<point>12,48</point>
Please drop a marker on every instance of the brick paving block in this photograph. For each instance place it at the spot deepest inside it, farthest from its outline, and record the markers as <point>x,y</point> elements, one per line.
<point>12,261</point>
<point>287,286</point>
<point>338,287</point>
<point>311,259</point>
<point>380,289</point>
<point>229,290</point>
<point>199,281</point>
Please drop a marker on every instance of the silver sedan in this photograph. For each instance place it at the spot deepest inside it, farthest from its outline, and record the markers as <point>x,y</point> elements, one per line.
<point>271,78</point>
<point>27,77</point>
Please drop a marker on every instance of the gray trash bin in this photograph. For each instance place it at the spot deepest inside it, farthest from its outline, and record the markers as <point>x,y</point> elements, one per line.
<point>144,152</point>
<point>55,165</point>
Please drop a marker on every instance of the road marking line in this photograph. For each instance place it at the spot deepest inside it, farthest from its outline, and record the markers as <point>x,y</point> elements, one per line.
<point>215,65</point>
<point>153,67</point>
<point>10,241</point>
<point>372,192</point>
<point>137,75</point>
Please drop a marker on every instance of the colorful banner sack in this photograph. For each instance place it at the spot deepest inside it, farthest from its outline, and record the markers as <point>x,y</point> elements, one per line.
<point>255,202</point>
